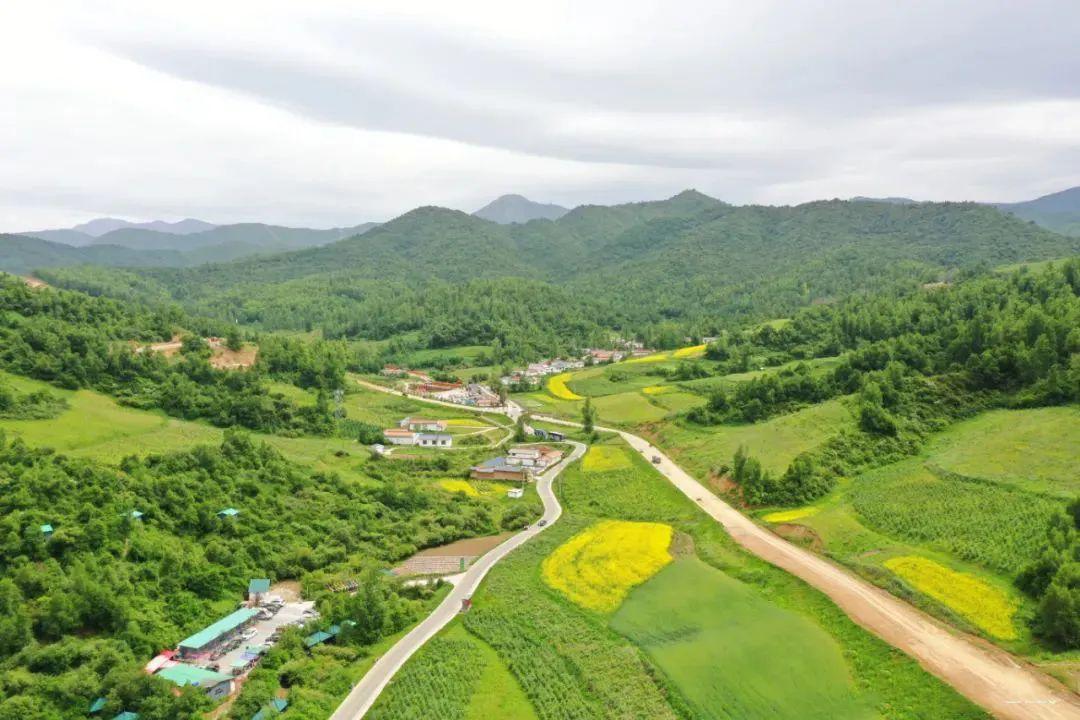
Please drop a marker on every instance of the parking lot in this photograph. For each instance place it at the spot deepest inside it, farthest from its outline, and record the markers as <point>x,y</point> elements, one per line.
<point>261,631</point>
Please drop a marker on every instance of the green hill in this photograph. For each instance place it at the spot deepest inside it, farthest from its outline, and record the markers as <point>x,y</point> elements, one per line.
<point>689,264</point>
<point>1059,211</point>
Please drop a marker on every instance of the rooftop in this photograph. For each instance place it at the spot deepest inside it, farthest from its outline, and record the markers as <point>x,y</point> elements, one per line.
<point>317,638</point>
<point>229,512</point>
<point>259,585</point>
<point>184,675</point>
<point>213,632</point>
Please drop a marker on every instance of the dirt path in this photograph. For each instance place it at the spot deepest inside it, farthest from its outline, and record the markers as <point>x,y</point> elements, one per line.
<point>983,673</point>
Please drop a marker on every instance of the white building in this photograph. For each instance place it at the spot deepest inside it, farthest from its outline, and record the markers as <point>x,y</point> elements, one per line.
<point>442,440</point>
<point>515,493</point>
<point>419,424</point>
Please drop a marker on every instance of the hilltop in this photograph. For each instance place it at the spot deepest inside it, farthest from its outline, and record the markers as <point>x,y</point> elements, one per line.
<point>1058,211</point>
<point>518,209</point>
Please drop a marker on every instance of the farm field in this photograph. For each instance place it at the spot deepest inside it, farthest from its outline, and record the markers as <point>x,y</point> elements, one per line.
<point>658,656</point>
<point>95,426</point>
<point>723,649</point>
<point>774,442</point>
<point>1031,449</point>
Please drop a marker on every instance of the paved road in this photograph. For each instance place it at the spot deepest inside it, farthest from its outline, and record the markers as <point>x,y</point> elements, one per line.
<point>363,695</point>
<point>983,673</point>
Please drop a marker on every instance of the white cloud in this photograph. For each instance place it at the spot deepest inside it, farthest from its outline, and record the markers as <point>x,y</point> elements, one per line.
<point>338,113</point>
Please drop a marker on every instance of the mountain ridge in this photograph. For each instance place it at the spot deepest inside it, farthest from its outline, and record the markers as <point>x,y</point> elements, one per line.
<point>512,208</point>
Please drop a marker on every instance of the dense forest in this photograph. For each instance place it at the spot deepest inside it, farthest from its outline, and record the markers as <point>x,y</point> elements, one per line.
<point>690,265</point>
<point>75,341</point>
<point>85,607</point>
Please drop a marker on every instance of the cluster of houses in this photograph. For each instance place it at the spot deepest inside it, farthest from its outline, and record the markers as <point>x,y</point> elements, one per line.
<point>420,383</point>
<point>533,372</point>
<point>521,464</point>
<point>419,432</point>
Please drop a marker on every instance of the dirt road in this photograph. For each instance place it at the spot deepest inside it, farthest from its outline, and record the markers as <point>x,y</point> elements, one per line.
<point>984,674</point>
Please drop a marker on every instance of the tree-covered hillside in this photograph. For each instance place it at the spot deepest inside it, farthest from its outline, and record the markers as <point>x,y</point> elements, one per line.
<point>690,262</point>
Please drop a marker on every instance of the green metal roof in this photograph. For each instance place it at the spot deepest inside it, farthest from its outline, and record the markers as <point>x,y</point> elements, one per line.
<point>276,706</point>
<point>97,706</point>
<point>316,638</point>
<point>259,585</point>
<point>184,675</point>
<point>228,512</point>
<point>127,715</point>
<point>46,528</point>
<point>224,625</point>
<point>279,704</point>
<point>136,514</point>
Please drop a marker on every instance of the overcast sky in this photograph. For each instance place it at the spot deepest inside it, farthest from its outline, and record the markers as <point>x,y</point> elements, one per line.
<point>232,111</point>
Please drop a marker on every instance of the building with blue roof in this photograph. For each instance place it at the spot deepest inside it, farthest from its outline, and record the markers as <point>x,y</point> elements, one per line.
<point>214,684</point>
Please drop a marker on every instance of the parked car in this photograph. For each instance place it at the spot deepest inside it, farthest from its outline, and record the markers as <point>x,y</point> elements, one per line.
<point>656,459</point>
<point>542,523</point>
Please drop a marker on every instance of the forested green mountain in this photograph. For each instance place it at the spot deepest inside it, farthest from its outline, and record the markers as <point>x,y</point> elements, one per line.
<point>691,262</point>
<point>1059,211</point>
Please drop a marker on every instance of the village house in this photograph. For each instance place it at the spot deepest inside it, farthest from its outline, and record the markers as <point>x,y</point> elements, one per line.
<point>441,440</point>
<point>392,371</point>
<point>401,436</point>
<point>257,591</point>
<point>520,464</point>
<point>419,424</point>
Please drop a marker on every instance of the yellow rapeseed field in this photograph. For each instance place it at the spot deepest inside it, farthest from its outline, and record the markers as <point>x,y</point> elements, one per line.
<point>784,516</point>
<point>688,351</point>
<point>557,387</point>
<point>598,567</point>
<point>459,486</point>
<point>656,389</point>
<point>602,458</point>
<point>656,357</point>
<point>978,602</point>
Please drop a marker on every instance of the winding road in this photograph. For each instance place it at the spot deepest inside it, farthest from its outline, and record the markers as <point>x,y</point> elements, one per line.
<point>988,676</point>
<point>364,693</point>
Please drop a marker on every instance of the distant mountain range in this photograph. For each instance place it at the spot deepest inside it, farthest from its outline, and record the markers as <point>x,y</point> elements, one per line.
<point>138,245</point>
<point>1059,211</point>
<point>449,278</point>
<point>509,209</point>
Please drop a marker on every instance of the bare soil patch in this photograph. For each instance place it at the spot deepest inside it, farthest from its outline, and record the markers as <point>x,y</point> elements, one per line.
<point>36,283</point>
<point>800,535</point>
<point>226,359</point>
<point>288,590</point>
<point>469,546</point>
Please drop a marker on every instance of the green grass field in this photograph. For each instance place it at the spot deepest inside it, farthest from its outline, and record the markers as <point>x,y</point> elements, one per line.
<point>774,442</point>
<point>1036,450</point>
<point>725,650</point>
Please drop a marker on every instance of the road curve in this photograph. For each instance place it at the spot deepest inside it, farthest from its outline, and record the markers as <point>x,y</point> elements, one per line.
<point>364,693</point>
<point>985,674</point>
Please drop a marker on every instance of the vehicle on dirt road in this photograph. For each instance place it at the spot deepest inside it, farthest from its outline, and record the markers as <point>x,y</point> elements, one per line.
<point>655,459</point>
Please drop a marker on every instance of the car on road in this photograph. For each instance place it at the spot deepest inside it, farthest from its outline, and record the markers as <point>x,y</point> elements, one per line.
<point>542,523</point>
<point>655,459</point>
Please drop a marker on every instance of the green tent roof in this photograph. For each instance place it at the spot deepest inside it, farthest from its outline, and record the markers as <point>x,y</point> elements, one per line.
<point>183,675</point>
<point>46,528</point>
<point>259,585</point>
<point>127,715</point>
<point>97,706</point>
<point>226,624</point>
<point>228,512</point>
<point>279,704</point>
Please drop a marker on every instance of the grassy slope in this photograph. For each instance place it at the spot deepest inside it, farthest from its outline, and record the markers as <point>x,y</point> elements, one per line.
<point>775,442</point>
<point>95,426</point>
<point>1022,468</point>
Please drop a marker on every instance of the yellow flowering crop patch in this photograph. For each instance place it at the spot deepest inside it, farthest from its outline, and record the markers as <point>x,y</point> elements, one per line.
<point>598,567</point>
<point>656,389</point>
<point>978,602</point>
<point>557,387</point>
<point>688,351</point>
<point>459,486</point>
<point>784,516</point>
<point>656,357</point>
<point>602,458</point>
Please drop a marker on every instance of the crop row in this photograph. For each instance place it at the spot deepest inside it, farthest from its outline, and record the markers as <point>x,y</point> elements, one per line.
<point>437,683</point>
